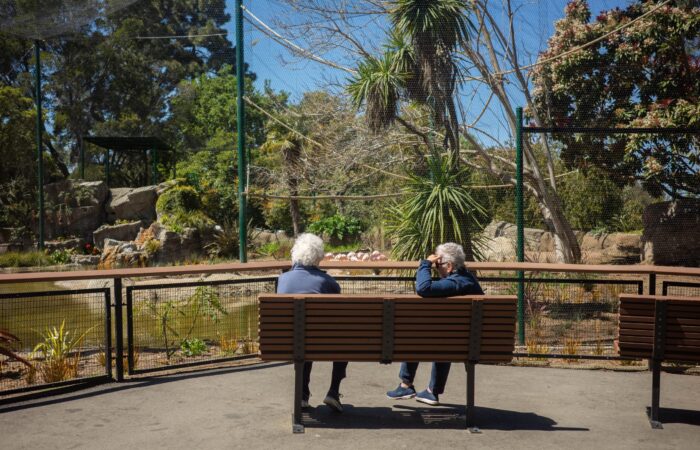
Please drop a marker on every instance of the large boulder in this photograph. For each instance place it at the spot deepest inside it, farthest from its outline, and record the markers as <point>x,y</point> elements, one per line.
<point>611,248</point>
<point>119,232</point>
<point>117,254</point>
<point>74,208</point>
<point>672,233</point>
<point>133,204</point>
<point>172,246</point>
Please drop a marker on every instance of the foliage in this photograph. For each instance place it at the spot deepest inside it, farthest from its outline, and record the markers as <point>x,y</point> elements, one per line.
<point>7,341</point>
<point>437,209</point>
<point>193,347</point>
<point>24,259</point>
<point>226,240</point>
<point>338,228</point>
<point>645,75</point>
<point>591,200</point>
<point>178,199</point>
<point>277,250</point>
<point>57,349</point>
<point>152,246</point>
<point>60,256</point>
<point>179,208</point>
<point>177,318</point>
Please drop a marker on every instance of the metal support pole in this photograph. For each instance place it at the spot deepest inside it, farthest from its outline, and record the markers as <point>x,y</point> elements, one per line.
<point>240,122</point>
<point>299,353</point>
<point>107,171</point>
<point>119,328</point>
<point>154,166</point>
<point>655,394</point>
<point>39,152</point>
<point>652,284</point>
<point>297,425</point>
<point>519,222</point>
<point>471,375</point>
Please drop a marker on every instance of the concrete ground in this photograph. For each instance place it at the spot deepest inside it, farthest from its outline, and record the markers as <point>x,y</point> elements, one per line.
<point>250,407</point>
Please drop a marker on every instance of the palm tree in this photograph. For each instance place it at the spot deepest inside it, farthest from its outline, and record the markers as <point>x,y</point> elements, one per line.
<point>418,65</point>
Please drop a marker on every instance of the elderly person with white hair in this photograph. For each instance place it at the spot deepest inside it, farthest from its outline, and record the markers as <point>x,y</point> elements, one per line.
<point>455,279</point>
<point>306,278</point>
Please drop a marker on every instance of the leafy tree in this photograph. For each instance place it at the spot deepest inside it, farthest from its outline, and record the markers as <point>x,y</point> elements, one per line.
<point>646,75</point>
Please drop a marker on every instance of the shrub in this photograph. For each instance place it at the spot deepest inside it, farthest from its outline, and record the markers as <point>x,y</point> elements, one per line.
<point>60,257</point>
<point>24,259</point>
<point>193,347</point>
<point>57,347</point>
<point>337,228</point>
<point>591,200</point>
<point>438,209</point>
<point>178,199</point>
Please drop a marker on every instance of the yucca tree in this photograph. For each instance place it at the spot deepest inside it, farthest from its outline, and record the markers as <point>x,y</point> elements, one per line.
<point>419,65</point>
<point>438,209</point>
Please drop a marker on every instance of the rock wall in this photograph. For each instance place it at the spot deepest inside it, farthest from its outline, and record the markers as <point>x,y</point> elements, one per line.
<point>672,233</point>
<point>605,248</point>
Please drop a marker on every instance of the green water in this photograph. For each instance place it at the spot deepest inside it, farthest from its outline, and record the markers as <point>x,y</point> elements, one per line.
<point>29,317</point>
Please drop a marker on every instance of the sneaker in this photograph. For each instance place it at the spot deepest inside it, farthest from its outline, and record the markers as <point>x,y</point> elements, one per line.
<point>401,393</point>
<point>333,400</point>
<point>428,397</point>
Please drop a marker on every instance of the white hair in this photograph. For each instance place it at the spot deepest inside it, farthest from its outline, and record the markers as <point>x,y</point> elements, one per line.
<point>449,252</point>
<point>307,250</point>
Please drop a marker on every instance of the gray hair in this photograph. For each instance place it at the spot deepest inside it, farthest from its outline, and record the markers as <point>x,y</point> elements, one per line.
<point>449,252</point>
<point>307,250</point>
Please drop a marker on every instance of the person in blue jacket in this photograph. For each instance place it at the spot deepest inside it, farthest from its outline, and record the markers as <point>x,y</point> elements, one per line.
<point>454,280</point>
<point>306,278</point>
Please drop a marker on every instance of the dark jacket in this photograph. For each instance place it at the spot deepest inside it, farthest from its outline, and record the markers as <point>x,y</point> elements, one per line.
<point>306,280</point>
<point>459,282</point>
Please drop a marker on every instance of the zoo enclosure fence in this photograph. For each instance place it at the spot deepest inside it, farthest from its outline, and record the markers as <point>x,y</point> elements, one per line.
<point>132,325</point>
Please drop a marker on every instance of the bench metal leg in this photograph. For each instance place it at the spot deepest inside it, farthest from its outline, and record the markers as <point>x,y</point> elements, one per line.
<point>653,412</point>
<point>471,369</point>
<point>297,426</point>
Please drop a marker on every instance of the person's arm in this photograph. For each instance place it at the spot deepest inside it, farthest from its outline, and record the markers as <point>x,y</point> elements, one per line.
<point>426,287</point>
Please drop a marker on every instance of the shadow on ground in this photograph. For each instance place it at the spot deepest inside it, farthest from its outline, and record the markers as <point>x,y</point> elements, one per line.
<point>446,416</point>
<point>672,415</point>
<point>91,389</point>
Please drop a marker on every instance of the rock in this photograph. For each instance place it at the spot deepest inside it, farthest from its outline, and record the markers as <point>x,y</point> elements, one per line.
<point>121,232</point>
<point>67,244</point>
<point>173,246</point>
<point>132,204</point>
<point>117,254</point>
<point>85,260</point>
<point>499,249</point>
<point>74,208</point>
<point>672,233</point>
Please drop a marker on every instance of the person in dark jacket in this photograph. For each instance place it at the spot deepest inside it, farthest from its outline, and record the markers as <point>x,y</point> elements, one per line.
<point>306,278</point>
<point>454,280</point>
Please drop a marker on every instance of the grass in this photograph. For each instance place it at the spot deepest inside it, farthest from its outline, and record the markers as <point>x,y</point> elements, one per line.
<point>24,259</point>
<point>344,248</point>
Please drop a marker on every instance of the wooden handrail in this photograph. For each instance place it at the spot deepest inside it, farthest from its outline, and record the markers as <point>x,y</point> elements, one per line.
<point>377,265</point>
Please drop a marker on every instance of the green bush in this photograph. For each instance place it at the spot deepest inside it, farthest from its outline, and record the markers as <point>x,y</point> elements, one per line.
<point>60,257</point>
<point>177,200</point>
<point>438,209</point>
<point>591,200</point>
<point>337,228</point>
<point>24,259</point>
<point>193,347</point>
<point>178,221</point>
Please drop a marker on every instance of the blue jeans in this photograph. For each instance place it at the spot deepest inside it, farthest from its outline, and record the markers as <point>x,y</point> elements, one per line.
<point>438,375</point>
<point>336,378</point>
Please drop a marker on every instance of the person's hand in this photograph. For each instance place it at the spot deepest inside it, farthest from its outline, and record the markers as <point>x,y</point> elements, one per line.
<point>434,259</point>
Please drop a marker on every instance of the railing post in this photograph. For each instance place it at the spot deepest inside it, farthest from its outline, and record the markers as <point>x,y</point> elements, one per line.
<point>652,284</point>
<point>519,222</point>
<point>119,329</point>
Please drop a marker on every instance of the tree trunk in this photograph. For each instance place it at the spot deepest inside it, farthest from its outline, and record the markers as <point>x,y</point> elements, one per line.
<point>566,246</point>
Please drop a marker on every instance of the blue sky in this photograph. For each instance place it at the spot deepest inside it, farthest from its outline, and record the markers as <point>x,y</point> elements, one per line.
<point>273,62</point>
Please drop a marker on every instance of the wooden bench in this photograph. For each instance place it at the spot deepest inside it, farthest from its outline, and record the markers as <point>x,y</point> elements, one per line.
<point>660,329</point>
<point>371,328</point>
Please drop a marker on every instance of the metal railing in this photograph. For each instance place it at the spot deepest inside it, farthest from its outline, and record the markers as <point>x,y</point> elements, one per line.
<point>171,324</point>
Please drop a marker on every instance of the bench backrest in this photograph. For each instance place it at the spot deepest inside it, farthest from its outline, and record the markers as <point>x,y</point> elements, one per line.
<point>674,322</point>
<point>386,328</point>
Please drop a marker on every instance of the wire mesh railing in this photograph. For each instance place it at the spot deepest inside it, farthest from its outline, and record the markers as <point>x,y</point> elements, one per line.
<point>58,338</point>
<point>184,324</point>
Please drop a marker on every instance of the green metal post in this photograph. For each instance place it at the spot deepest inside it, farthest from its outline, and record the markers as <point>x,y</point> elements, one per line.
<point>154,166</point>
<point>39,152</point>
<point>519,222</point>
<point>240,119</point>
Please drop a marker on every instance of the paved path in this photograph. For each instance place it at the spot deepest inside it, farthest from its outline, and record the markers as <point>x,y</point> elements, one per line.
<point>250,407</point>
